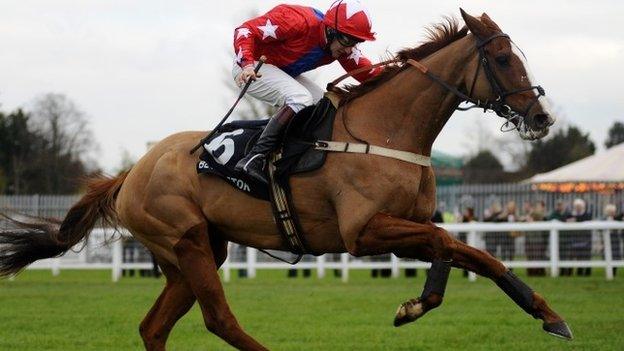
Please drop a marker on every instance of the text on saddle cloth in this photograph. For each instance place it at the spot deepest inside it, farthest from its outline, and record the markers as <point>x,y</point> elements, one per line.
<point>224,149</point>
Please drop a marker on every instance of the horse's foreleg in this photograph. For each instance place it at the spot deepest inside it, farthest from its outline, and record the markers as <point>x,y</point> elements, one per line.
<point>386,234</point>
<point>196,259</point>
<point>428,242</point>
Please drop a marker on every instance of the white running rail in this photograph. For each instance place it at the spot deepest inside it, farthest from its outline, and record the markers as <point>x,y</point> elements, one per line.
<point>602,231</point>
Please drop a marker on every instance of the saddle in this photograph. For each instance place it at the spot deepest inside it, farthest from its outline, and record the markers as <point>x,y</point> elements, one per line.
<point>297,153</point>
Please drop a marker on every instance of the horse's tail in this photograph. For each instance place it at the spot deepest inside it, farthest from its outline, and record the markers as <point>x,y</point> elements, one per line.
<point>35,241</point>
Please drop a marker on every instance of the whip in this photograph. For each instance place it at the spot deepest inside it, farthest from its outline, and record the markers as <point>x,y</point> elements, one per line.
<point>261,61</point>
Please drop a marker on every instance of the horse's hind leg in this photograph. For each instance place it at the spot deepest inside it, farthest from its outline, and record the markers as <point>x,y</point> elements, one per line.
<point>430,243</point>
<point>196,259</point>
<point>173,303</point>
<point>482,263</point>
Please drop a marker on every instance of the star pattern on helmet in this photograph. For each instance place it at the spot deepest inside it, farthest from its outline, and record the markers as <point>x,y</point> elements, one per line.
<point>268,30</point>
<point>242,32</point>
<point>355,55</point>
<point>353,7</point>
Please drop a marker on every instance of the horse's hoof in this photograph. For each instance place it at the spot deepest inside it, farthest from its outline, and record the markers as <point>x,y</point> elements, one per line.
<point>559,329</point>
<point>408,312</point>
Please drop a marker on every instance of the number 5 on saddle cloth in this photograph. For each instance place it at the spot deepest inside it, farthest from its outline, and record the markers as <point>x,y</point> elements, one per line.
<point>296,154</point>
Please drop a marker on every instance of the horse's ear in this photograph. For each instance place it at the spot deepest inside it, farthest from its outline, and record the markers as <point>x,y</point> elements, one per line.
<point>488,22</point>
<point>476,27</point>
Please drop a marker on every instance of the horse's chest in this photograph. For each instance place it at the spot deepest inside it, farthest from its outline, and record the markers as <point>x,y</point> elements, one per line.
<point>411,198</point>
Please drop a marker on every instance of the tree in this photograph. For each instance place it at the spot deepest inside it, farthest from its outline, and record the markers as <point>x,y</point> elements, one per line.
<point>483,167</point>
<point>565,146</point>
<point>68,142</point>
<point>3,181</point>
<point>127,161</point>
<point>616,134</point>
<point>19,146</point>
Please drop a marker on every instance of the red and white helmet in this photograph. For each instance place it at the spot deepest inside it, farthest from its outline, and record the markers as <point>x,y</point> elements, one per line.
<point>350,17</point>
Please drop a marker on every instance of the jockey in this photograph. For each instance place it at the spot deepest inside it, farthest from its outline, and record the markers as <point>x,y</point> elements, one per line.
<point>295,39</point>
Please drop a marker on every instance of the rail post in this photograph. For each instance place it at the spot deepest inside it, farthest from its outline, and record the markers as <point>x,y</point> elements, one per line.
<point>226,266</point>
<point>117,259</point>
<point>608,254</point>
<point>344,261</point>
<point>320,266</point>
<point>252,257</point>
<point>554,252</point>
<point>472,241</point>
<point>395,266</point>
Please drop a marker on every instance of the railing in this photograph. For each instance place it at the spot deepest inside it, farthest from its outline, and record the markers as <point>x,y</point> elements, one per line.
<point>474,234</point>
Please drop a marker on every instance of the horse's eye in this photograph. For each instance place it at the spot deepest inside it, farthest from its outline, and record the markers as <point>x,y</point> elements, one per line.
<point>502,60</point>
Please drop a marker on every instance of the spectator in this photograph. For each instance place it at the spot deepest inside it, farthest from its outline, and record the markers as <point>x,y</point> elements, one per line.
<point>437,216</point>
<point>576,245</point>
<point>617,236</point>
<point>492,214</point>
<point>559,213</point>
<point>506,239</point>
<point>536,243</point>
<point>526,212</point>
<point>467,217</point>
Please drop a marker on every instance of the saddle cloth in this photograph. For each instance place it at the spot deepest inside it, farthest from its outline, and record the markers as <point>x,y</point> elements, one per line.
<point>224,149</point>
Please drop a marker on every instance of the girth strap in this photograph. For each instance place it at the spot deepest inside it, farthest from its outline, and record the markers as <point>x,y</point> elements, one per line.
<point>284,216</point>
<point>337,146</point>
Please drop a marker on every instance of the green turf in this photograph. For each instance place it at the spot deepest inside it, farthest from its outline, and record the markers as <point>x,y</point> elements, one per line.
<point>81,310</point>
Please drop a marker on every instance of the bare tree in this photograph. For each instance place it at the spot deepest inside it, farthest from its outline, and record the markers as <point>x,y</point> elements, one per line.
<point>64,125</point>
<point>68,140</point>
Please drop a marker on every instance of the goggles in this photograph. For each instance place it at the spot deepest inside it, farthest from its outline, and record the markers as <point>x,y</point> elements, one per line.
<point>347,40</point>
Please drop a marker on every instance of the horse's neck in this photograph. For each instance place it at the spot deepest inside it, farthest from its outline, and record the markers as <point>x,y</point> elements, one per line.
<point>409,111</point>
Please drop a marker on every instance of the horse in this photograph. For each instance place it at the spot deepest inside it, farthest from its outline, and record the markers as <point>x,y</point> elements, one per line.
<point>355,203</point>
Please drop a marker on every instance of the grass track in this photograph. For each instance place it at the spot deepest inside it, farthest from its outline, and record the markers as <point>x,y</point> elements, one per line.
<point>81,310</point>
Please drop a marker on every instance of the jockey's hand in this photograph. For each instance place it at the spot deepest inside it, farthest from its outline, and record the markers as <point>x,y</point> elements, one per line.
<point>247,74</point>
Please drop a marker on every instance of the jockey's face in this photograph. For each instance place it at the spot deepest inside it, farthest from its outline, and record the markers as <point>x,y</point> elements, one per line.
<point>339,50</point>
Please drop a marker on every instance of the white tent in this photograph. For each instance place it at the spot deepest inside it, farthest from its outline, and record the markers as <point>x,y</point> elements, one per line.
<point>604,167</point>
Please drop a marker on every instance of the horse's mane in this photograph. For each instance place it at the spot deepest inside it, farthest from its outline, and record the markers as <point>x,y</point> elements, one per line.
<point>438,36</point>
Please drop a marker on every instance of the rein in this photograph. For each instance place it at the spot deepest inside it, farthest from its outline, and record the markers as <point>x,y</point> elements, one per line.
<point>499,105</point>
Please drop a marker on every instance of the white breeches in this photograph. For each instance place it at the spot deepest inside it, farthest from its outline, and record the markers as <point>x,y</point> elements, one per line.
<point>277,88</point>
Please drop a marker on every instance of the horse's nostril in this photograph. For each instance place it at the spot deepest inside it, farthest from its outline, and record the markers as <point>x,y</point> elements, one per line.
<point>542,120</point>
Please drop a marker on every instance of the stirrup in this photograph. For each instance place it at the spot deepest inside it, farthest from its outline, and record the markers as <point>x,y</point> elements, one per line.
<point>244,168</point>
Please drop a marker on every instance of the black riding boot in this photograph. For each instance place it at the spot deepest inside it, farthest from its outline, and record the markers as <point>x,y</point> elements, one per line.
<point>253,164</point>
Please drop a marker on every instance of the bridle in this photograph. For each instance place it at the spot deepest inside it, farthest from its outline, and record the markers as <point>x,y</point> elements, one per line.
<point>499,104</point>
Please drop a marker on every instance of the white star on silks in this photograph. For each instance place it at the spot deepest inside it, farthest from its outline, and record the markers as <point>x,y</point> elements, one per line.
<point>239,54</point>
<point>242,32</point>
<point>355,55</point>
<point>353,7</point>
<point>268,30</point>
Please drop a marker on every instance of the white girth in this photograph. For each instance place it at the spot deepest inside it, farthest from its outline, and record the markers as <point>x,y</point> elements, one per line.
<point>337,146</point>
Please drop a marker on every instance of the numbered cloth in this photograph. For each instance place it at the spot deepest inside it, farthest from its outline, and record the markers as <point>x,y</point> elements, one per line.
<point>223,150</point>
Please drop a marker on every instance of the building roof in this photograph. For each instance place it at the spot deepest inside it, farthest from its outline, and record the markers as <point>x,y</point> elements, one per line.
<point>607,166</point>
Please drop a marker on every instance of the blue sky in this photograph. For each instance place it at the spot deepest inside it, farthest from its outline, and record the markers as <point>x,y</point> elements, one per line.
<point>142,70</point>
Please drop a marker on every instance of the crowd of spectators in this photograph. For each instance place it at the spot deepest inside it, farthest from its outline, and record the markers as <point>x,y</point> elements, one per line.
<point>573,245</point>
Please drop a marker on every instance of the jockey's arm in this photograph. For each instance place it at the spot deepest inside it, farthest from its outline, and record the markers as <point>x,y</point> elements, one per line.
<point>279,24</point>
<point>357,60</point>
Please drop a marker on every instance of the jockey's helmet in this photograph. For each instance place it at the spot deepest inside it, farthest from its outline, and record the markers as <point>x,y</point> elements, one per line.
<point>351,20</point>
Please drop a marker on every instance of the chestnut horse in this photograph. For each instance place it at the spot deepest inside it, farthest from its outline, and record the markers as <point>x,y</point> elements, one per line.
<point>355,203</point>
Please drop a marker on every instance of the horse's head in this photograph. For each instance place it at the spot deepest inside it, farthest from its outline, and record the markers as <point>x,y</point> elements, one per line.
<point>501,78</point>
